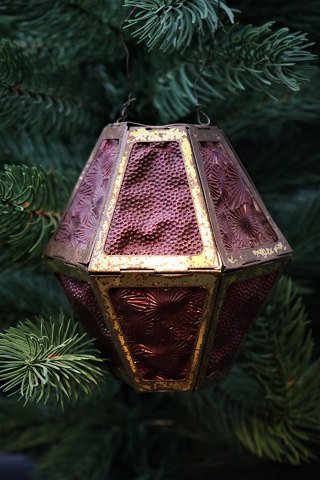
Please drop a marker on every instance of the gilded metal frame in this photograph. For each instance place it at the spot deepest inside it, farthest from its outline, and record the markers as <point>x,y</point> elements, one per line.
<point>214,268</point>
<point>56,248</point>
<point>208,258</point>
<point>58,265</point>
<point>227,279</point>
<point>232,260</point>
<point>102,284</point>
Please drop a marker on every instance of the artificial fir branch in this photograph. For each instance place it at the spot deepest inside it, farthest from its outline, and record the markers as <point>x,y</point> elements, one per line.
<point>52,152</point>
<point>48,359</point>
<point>270,399</point>
<point>269,402</point>
<point>260,57</point>
<point>171,24</point>
<point>38,295</point>
<point>273,409</point>
<point>30,208</point>
<point>271,175</point>
<point>303,16</point>
<point>250,58</point>
<point>263,113</point>
<point>66,16</point>
<point>299,216</point>
<point>30,98</point>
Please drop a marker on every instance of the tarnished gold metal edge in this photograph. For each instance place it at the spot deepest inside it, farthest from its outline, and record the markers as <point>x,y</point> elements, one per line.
<point>281,245</point>
<point>78,272</point>
<point>102,283</point>
<point>57,248</point>
<point>235,260</point>
<point>208,258</point>
<point>227,279</point>
<point>58,265</point>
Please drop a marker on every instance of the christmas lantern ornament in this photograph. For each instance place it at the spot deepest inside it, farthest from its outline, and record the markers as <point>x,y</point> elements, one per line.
<point>166,253</point>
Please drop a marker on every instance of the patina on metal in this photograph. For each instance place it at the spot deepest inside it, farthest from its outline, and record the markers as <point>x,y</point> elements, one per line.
<point>175,248</point>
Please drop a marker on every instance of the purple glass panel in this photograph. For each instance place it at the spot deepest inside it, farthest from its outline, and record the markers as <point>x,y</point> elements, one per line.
<point>161,326</point>
<point>154,214</point>
<point>83,301</point>
<point>242,223</point>
<point>241,305</point>
<point>81,219</point>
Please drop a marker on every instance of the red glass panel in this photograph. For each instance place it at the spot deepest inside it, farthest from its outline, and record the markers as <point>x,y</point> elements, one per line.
<point>161,327</point>
<point>241,305</point>
<point>154,214</point>
<point>83,301</point>
<point>80,221</point>
<point>242,223</point>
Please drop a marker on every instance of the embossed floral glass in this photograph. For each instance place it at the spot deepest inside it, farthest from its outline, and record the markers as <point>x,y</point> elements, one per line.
<point>166,253</point>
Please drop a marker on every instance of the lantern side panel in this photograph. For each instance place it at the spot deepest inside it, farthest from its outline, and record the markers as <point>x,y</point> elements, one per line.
<point>154,214</point>
<point>83,301</point>
<point>241,305</point>
<point>79,224</point>
<point>160,327</point>
<point>241,221</point>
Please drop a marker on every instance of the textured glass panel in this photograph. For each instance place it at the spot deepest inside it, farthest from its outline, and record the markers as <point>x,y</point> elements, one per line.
<point>242,223</point>
<point>83,301</point>
<point>80,221</point>
<point>161,327</point>
<point>154,214</point>
<point>242,303</point>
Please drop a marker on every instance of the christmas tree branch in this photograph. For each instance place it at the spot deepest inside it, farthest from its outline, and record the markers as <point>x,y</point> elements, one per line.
<point>64,57</point>
<point>30,208</point>
<point>250,58</point>
<point>38,295</point>
<point>172,24</point>
<point>270,175</point>
<point>270,401</point>
<point>52,153</point>
<point>260,58</point>
<point>48,359</point>
<point>264,113</point>
<point>303,16</point>
<point>100,11</point>
<point>278,357</point>
<point>31,18</point>
<point>27,99</point>
<point>298,215</point>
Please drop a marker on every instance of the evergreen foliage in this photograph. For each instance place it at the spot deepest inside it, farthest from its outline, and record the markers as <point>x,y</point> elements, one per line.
<point>47,359</point>
<point>268,404</point>
<point>171,24</point>
<point>252,66</point>
<point>286,381</point>
<point>29,284</point>
<point>29,212</point>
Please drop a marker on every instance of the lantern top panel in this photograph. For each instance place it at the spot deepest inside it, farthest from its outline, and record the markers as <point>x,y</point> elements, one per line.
<point>74,239</point>
<point>169,199</point>
<point>156,216</point>
<point>244,231</point>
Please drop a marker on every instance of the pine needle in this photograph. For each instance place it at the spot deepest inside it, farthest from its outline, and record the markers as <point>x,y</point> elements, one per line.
<point>48,359</point>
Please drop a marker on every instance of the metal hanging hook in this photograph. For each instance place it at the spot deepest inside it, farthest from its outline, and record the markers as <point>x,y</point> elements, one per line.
<point>125,107</point>
<point>202,117</point>
<point>199,107</point>
<point>202,113</point>
<point>131,98</point>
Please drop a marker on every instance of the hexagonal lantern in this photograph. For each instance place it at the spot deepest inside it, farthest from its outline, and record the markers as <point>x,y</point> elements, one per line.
<point>166,253</point>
